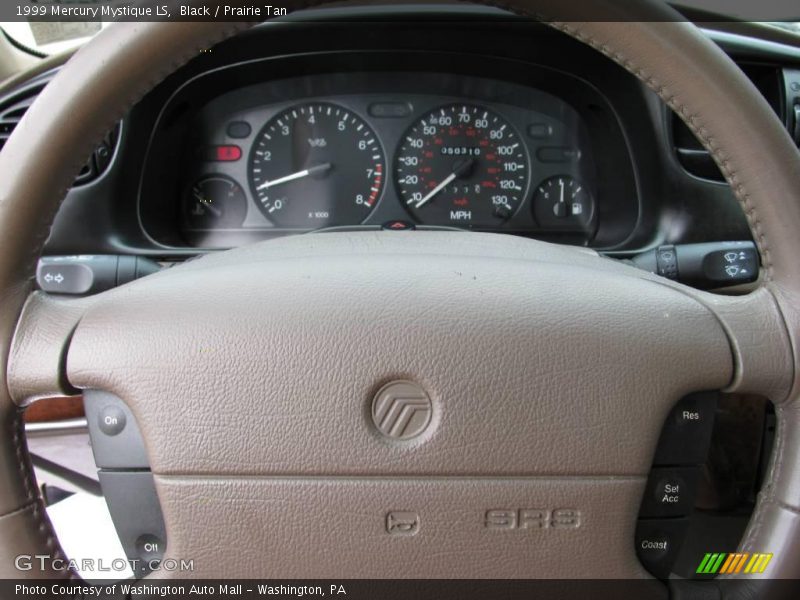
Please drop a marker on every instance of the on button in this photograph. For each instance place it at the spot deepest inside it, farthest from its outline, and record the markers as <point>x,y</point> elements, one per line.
<point>111,420</point>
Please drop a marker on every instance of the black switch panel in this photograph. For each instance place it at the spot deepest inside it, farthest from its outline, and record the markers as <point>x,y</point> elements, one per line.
<point>670,492</point>
<point>658,542</point>
<point>126,480</point>
<point>669,495</point>
<point>686,435</point>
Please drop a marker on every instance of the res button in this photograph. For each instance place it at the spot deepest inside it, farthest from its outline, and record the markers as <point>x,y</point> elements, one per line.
<point>687,432</point>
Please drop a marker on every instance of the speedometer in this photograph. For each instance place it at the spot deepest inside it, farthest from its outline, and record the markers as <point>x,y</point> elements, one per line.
<point>463,166</point>
<point>316,165</point>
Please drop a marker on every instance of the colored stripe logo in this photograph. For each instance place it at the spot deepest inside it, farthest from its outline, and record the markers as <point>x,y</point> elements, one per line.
<point>729,564</point>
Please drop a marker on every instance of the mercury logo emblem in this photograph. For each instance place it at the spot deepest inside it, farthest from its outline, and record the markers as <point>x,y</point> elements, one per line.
<point>401,410</point>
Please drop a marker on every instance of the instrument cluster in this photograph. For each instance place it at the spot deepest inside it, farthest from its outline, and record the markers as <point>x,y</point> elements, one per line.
<point>372,150</point>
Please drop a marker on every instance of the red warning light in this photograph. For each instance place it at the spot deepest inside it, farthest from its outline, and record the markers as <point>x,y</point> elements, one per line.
<point>227,153</point>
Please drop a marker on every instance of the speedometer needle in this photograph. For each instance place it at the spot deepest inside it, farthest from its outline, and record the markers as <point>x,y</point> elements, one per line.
<point>457,172</point>
<point>299,175</point>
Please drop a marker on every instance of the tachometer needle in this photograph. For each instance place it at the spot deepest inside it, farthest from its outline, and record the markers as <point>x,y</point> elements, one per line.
<point>459,170</point>
<point>299,175</point>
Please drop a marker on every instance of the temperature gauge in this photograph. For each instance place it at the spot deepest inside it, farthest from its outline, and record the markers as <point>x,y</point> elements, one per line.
<point>215,202</point>
<point>562,202</point>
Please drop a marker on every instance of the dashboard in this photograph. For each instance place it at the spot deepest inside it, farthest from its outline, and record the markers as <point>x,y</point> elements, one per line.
<point>344,118</point>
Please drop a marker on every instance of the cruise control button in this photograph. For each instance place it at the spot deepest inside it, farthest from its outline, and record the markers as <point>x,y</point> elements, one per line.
<point>150,548</point>
<point>111,420</point>
<point>116,440</point>
<point>687,432</point>
<point>670,492</point>
<point>655,545</point>
<point>658,542</point>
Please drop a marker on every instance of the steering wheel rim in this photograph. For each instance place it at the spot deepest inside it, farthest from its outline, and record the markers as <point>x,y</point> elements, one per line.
<point>689,73</point>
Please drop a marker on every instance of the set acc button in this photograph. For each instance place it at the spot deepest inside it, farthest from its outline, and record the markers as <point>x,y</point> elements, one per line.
<point>670,492</point>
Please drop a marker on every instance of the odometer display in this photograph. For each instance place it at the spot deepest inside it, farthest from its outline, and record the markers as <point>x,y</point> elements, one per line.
<point>316,165</point>
<point>462,166</point>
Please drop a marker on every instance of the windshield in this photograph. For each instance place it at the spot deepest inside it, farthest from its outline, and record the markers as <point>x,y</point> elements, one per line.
<point>52,38</point>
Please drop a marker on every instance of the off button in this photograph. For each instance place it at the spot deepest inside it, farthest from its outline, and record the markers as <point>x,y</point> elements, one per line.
<point>150,548</point>
<point>111,420</point>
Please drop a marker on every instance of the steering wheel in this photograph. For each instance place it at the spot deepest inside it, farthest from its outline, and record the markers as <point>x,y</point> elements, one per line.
<point>544,373</point>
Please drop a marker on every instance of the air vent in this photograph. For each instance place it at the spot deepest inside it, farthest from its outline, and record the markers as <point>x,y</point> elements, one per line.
<point>791,83</point>
<point>13,107</point>
<point>688,149</point>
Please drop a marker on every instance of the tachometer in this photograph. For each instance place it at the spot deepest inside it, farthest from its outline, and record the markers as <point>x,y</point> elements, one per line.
<point>462,165</point>
<point>316,165</point>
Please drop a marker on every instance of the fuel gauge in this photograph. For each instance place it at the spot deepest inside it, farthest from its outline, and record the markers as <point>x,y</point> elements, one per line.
<point>562,202</point>
<point>215,202</point>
